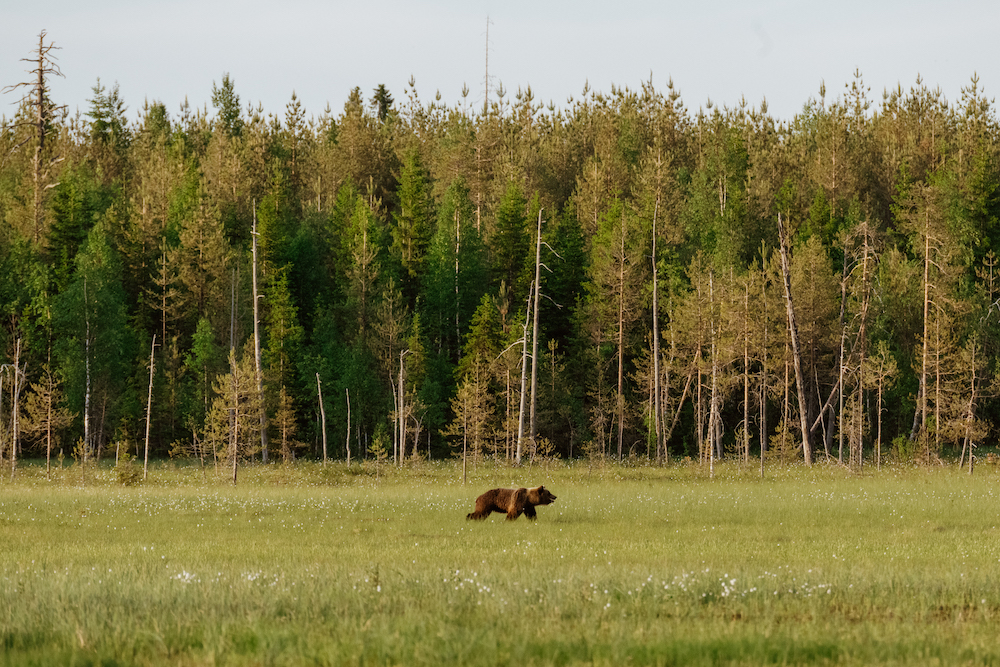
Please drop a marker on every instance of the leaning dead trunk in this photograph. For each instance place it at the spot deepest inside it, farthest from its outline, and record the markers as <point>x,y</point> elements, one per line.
<point>796,353</point>
<point>149,407</point>
<point>322,418</point>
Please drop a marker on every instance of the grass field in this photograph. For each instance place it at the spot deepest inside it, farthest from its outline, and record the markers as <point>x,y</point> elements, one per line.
<point>631,565</point>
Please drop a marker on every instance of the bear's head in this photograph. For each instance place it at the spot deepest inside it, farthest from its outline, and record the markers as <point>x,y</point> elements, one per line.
<point>540,496</point>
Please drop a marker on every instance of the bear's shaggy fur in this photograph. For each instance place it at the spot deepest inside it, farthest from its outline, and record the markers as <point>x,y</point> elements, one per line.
<point>512,502</point>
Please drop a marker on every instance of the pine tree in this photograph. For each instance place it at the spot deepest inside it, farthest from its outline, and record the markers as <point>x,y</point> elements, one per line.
<point>617,269</point>
<point>227,106</point>
<point>364,154</point>
<point>880,371</point>
<point>413,226</point>
<point>382,101</point>
<point>456,273</point>
<point>509,243</point>
<point>232,425</point>
<point>922,217</point>
<point>202,364</point>
<point>364,269</point>
<point>44,415</point>
<point>474,404</point>
<point>203,265</point>
<point>110,135</point>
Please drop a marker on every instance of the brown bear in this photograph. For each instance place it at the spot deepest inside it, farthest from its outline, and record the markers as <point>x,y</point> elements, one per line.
<point>513,502</point>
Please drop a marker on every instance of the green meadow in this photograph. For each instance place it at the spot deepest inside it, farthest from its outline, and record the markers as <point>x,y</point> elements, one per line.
<point>633,564</point>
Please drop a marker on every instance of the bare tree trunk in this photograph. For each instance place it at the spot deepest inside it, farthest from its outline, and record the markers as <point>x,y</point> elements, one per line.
<point>149,407</point>
<point>458,250</point>
<point>532,422</point>
<point>348,442</point>
<point>699,411</point>
<point>232,351</point>
<point>763,371</point>
<point>878,437</point>
<point>2,439</point>
<point>50,389</point>
<point>746,374</point>
<point>970,410</point>
<point>524,372</point>
<point>322,418</point>
<point>402,408</point>
<point>937,385</point>
<point>713,410</point>
<point>922,406</point>
<point>620,396</point>
<point>863,342</point>
<point>657,409</point>
<point>680,404</point>
<point>861,414</point>
<point>15,417</point>
<point>465,442</point>
<point>86,399</point>
<point>40,118</point>
<point>234,431</point>
<point>796,354</point>
<point>840,364</point>
<point>665,389</point>
<point>256,343</point>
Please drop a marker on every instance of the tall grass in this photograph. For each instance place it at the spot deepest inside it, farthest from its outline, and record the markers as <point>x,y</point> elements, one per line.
<point>632,564</point>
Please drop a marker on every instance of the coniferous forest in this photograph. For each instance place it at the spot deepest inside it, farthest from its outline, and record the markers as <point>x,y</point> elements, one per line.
<point>622,276</point>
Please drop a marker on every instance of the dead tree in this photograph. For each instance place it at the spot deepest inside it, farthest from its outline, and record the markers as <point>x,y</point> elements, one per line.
<point>524,369</point>
<point>149,406</point>
<point>43,112</point>
<point>322,418</point>
<point>256,343</point>
<point>532,422</point>
<point>794,335</point>
<point>660,449</point>
<point>347,445</point>
<point>20,373</point>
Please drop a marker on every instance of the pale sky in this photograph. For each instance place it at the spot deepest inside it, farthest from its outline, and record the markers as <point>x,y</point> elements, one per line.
<point>722,50</point>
